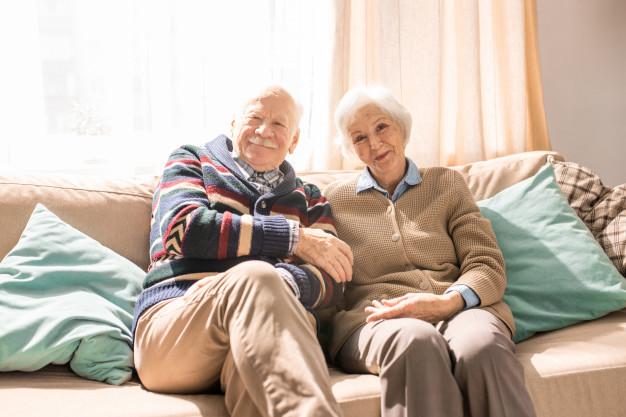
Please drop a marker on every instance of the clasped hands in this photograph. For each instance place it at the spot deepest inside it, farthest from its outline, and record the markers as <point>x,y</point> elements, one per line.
<point>318,248</point>
<point>424,306</point>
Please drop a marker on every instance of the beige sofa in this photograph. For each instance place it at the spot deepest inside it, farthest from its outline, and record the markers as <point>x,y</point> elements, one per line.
<point>577,371</point>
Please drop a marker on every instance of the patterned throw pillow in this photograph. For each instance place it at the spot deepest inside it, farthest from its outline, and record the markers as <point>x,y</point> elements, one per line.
<point>601,208</point>
<point>611,213</point>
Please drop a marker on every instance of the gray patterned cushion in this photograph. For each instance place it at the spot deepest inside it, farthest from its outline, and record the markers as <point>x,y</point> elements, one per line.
<point>611,212</point>
<point>603,209</point>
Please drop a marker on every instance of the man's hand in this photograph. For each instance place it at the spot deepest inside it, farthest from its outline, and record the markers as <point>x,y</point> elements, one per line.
<point>424,306</point>
<point>325,251</point>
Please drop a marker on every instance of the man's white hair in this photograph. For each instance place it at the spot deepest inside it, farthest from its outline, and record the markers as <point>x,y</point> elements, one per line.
<point>262,90</point>
<point>359,97</point>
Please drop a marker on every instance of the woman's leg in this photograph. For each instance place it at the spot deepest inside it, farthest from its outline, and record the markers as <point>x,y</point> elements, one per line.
<point>485,367</point>
<point>412,360</point>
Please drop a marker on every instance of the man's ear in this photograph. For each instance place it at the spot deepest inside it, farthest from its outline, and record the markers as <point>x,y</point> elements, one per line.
<point>294,140</point>
<point>232,128</point>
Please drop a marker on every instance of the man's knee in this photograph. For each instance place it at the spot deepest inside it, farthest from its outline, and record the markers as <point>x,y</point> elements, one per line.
<point>256,269</point>
<point>258,273</point>
<point>259,281</point>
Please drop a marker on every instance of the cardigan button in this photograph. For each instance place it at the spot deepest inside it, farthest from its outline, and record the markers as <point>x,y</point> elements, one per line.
<point>395,237</point>
<point>263,204</point>
<point>389,210</point>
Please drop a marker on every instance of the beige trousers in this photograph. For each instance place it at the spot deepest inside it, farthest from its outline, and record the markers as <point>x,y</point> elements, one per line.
<point>465,366</point>
<point>243,331</point>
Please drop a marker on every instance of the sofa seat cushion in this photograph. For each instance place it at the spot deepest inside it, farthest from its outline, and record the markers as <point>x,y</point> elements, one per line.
<point>358,394</point>
<point>59,393</point>
<point>578,371</point>
<point>55,392</point>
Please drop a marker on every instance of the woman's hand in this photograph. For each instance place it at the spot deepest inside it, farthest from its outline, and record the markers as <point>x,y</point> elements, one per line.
<point>424,306</point>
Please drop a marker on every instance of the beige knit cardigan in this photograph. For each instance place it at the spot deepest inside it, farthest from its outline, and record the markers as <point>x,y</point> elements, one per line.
<point>431,237</point>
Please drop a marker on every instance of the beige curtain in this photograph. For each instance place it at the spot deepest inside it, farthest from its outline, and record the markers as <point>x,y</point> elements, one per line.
<point>467,70</point>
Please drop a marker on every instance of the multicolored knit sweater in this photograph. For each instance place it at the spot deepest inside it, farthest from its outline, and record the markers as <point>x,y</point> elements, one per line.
<point>206,217</point>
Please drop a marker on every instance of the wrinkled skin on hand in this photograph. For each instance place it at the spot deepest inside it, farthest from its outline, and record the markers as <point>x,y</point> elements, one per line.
<point>327,252</point>
<point>424,306</point>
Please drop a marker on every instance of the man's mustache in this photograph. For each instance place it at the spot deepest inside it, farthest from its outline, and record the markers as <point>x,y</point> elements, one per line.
<point>267,143</point>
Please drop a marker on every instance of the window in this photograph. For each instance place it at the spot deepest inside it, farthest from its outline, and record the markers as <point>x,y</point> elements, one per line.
<point>114,86</point>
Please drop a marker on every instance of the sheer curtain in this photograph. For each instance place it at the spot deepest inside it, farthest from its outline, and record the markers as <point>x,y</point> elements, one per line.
<point>113,86</point>
<point>466,70</point>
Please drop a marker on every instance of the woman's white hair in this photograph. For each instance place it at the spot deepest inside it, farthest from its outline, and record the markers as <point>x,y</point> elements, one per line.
<point>359,97</point>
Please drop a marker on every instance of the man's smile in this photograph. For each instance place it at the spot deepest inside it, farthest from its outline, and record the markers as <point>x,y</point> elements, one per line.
<point>266,143</point>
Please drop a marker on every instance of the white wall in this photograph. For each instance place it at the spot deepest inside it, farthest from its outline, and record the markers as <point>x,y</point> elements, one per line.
<point>582,49</point>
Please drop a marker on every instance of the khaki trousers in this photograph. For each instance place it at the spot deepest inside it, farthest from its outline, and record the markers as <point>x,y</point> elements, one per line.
<point>465,366</point>
<point>243,331</point>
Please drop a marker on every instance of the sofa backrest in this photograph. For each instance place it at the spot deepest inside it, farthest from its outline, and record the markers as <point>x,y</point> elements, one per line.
<point>487,178</point>
<point>116,212</point>
<point>484,178</point>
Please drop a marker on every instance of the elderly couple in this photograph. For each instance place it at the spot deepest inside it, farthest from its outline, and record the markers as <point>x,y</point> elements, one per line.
<point>244,256</point>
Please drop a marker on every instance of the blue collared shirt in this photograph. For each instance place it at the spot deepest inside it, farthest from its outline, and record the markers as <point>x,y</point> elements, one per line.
<point>412,177</point>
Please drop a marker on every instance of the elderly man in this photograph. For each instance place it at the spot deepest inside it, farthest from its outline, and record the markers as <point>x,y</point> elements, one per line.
<point>228,297</point>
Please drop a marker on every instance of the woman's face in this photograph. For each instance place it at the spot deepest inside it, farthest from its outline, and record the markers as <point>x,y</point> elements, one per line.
<point>378,141</point>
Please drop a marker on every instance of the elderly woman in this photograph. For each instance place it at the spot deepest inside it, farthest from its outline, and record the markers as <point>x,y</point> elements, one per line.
<point>424,309</point>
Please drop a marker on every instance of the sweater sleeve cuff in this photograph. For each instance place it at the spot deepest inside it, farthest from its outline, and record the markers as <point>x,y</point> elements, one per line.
<point>289,280</point>
<point>276,236</point>
<point>469,296</point>
<point>308,286</point>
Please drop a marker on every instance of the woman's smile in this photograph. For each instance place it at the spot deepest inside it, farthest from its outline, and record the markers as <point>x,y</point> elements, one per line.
<point>382,156</point>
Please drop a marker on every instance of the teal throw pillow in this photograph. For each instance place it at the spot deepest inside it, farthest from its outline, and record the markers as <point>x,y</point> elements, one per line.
<point>65,298</point>
<point>557,273</point>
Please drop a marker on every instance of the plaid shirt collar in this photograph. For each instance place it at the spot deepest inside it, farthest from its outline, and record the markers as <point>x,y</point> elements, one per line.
<point>264,181</point>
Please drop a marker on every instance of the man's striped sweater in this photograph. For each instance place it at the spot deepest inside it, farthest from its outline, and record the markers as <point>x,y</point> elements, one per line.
<point>206,217</point>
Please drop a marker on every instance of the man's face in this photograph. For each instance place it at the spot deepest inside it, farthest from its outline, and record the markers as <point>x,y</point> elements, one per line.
<point>266,130</point>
